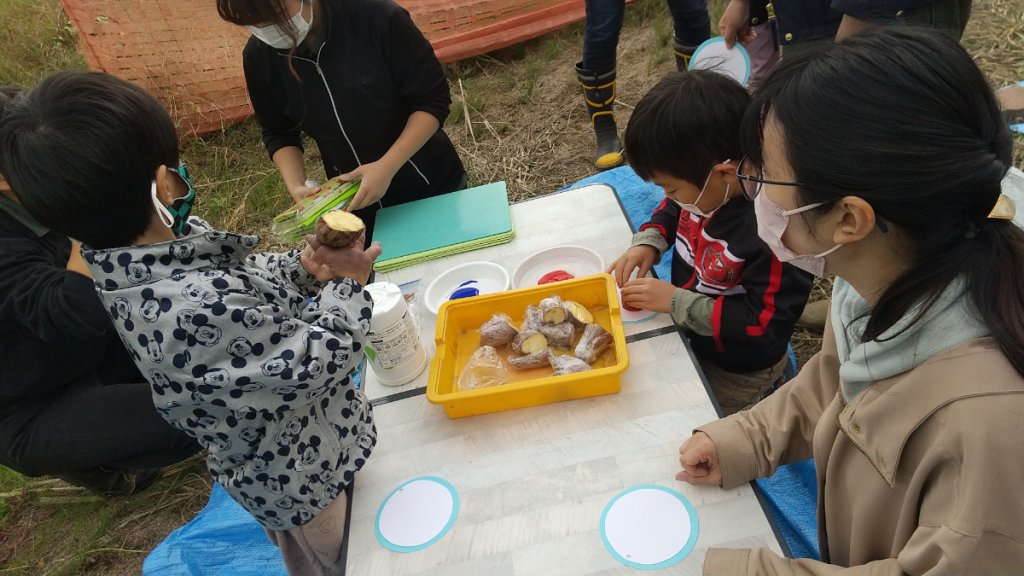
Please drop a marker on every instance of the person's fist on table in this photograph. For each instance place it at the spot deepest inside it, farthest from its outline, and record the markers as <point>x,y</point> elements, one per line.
<point>698,457</point>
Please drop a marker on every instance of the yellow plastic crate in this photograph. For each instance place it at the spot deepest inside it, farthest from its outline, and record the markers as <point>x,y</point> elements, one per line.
<point>457,338</point>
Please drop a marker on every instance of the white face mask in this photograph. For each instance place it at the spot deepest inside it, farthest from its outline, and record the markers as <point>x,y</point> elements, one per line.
<point>772,221</point>
<point>693,209</point>
<point>275,35</point>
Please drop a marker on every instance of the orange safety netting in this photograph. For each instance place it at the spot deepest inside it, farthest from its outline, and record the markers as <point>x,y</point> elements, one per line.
<point>192,60</point>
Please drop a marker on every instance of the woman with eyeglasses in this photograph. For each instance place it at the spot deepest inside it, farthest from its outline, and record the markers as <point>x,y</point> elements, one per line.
<point>886,162</point>
<point>360,79</point>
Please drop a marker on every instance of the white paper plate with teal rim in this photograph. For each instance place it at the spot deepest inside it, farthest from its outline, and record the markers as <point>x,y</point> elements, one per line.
<point>713,55</point>
<point>649,527</point>
<point>417,514</point>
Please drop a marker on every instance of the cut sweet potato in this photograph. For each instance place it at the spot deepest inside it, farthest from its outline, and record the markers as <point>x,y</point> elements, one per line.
<point>528,342</point>
<point>536,359</point>
<point>339,229</point>
<point>552,310</point>
<point>578,313</point>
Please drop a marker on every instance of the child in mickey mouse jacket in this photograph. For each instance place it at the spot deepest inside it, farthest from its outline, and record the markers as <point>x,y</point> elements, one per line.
<point>249,353</point>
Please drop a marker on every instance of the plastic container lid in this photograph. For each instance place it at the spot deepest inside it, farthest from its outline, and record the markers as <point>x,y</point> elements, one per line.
<point>393,348</point>
<point>296,222</point>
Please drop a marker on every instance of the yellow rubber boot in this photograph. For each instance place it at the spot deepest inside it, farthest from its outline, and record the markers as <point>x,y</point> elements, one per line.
<point>683,54</point>
<point>599,94</point>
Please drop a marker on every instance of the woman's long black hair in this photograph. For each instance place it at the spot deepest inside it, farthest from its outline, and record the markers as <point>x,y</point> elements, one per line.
<point>904,119</point>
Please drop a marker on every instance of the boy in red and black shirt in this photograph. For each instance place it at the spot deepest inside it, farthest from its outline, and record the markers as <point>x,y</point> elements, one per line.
<point>736,301</point>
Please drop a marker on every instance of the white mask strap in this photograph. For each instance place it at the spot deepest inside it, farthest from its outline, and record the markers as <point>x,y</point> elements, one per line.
<point>161,210</point>
<point>802,208</point>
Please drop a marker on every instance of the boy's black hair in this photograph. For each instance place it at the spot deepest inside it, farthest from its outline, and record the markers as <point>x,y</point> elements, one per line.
<point>80,151</point>
<point>7,96</point>
<point>686,124</point>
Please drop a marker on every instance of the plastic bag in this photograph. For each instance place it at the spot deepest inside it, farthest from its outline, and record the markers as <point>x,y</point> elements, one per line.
<point>484,369</point>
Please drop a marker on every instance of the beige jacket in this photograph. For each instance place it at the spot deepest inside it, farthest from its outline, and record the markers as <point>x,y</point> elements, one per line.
<point>923,473</point>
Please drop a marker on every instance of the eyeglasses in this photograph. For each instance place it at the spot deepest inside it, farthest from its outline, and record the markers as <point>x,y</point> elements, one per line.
<point>751,180</point>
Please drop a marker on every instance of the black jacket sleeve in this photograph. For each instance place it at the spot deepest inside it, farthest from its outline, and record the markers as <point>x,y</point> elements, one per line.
<point>51,302</point>
<point>414,68</point>
<point>873,10</point>
<point>279,131</point>
<point>763,316</point>
<point>665,219</point>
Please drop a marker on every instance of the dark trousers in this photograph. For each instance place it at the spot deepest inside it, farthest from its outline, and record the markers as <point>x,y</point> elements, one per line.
<point>112,426</point>
<point>604,21</point>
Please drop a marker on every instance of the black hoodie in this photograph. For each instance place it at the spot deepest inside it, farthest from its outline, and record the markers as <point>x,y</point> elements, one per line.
<point>371,70</point>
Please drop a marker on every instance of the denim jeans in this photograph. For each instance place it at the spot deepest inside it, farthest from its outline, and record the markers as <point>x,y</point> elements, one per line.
<point>604,21</point>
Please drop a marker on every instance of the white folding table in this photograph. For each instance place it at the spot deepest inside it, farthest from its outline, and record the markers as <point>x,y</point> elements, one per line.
<point>533,482</point>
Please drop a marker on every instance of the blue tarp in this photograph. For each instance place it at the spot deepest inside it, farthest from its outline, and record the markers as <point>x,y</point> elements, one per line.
<point>224,540</point>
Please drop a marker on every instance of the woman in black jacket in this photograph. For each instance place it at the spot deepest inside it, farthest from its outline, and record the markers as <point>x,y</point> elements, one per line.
<point>360,79</point>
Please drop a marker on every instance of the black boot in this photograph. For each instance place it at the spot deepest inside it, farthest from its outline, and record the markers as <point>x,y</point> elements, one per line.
<point>683,54</point>
<point>599,94</point>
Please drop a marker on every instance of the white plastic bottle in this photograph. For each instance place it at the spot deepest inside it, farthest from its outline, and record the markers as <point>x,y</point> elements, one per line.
<point>393,349</point>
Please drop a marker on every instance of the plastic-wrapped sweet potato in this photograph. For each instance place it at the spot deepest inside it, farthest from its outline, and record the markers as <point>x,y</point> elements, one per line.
<point>595,340</point>
<point>529,341</point>
<point>559,334</point>
<point>552,310</point>
<point>567,365</point>
<point>532,319</point>
<point>498,331</point>
<point>536,359</point>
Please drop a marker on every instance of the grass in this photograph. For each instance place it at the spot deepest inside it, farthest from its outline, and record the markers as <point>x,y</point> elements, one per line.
<point>516,116</point>
<point>35,40</point>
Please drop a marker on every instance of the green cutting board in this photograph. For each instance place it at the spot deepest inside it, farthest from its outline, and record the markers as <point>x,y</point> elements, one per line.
<point>443,221</point>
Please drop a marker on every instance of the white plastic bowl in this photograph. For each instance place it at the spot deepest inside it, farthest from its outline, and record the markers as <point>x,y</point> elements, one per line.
<point>576,260</point>
<point>484,277</point>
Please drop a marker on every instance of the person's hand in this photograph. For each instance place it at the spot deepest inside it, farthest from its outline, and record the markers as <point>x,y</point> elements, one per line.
<point>849,26</point>
<point>735,23</point>
<point>375,178</point>
<point>314,266</point>
<point>640,258</point>
<point>76,263</point>
<point>698,457</point>
<point>299,193</point>
<point>649,294</point>
<point>350,262</point>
